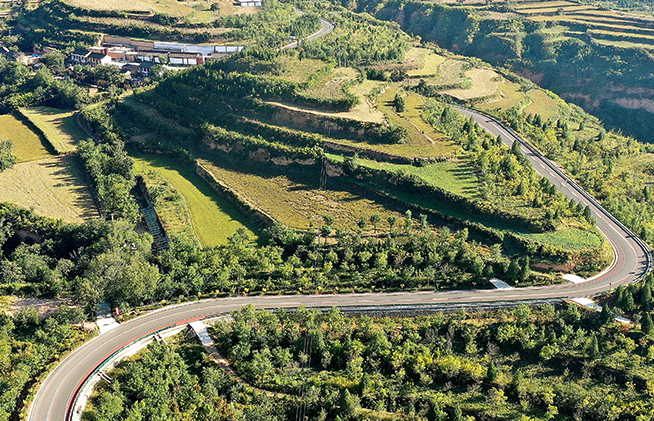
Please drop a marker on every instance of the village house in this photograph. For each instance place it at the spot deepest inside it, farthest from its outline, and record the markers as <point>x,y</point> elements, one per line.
<point>145,67</point>
<point>98,59</point>
<point>79,56</point>
<point>185,59</point>
<point>250,3</point>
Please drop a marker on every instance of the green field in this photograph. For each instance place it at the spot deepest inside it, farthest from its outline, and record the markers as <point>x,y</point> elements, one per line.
<point>568,238</point>
<point>27,144</point>
<point>214,219</point>
<point>457,177</point>
<point>58,126</point>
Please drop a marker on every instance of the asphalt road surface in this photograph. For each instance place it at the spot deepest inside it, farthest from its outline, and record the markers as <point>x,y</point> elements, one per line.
<point>57,394</point>
<point>325,28</point>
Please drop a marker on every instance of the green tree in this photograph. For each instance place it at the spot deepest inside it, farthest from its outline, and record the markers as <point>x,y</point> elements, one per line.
<point>375,219</point>
<point>593,348</point>
<point>7,159</point>
<point>398,103</point>
<point>347,404</point>
<point>491,372</point>
<point>646,325</point>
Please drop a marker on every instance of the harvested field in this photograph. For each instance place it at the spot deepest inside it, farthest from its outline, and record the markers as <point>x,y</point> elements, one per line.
<point>58,126</point>
<point>53,187</point>
<point>133,6</point>
<point>213,219</point>
<point>485,83</point>
<point>43,307</point>
<point>362,112</point>
<point>298,204</point>
<point>426,61</point>
<point>542,105</point>
<point>510,96</point>
<point>118,22</point>
<point>28,146</point>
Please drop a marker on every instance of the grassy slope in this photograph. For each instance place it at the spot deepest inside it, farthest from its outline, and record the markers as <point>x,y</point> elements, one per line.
<point>59,127</point>
<point>214,219</point>
<point>27,144</point>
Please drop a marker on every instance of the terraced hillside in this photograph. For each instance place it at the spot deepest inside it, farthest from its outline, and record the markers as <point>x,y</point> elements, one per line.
<point>606,27</point>
<point>260,139</point>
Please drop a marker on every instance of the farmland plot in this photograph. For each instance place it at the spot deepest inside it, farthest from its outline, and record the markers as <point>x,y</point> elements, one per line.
<point>53,187</point>
<point>58,126</point>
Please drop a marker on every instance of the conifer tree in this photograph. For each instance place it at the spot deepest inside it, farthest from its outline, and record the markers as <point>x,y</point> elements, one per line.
<point>647,327</point>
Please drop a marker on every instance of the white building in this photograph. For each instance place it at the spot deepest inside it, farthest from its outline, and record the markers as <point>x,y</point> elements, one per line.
<point>250,3</point>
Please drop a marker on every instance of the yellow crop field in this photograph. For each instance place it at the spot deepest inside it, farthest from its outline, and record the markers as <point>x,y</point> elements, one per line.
<point>53,187</point>
<point>485,82</point>
<point>510,96</point>
<point>27,144</point>
<point>58,126</point>
<point>624,44</point>
<point>541,4</point>
<point>297,204</point>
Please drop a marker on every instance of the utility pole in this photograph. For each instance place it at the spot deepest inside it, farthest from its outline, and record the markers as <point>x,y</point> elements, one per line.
<point>323,172</point>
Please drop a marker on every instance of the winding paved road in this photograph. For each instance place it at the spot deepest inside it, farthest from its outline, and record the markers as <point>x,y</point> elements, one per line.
<point>325,28</point>
<point>57,394</point>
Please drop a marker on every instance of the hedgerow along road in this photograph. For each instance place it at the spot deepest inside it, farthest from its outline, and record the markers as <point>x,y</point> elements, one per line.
<point>632,260</point>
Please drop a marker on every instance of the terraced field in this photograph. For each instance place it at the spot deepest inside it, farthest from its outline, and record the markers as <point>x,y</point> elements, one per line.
<point>53,187</point>
<point>606,26</point>
<point>426,61</point>
<point>332,85</point>
<point>195,11</point>
<point>28,146</point>
<point>484,83</point>
<point>58,126</point>
<point>510,95</point>
<point>212,218</point>
<point>422,139</point>
<point>295,202</point>
<point>454,176</point>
